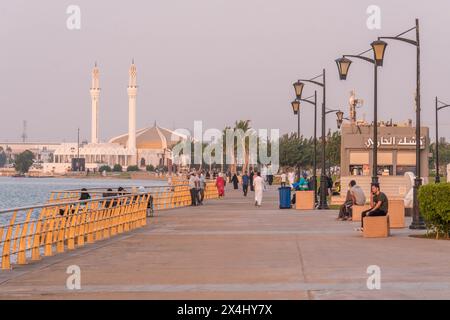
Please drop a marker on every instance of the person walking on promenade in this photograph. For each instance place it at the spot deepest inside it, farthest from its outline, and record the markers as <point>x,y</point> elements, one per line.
<point>379,204</point>
<point>193,189</point>
<point>220,184</point>
<point>329,185</point>
<point>201,188</point>
<point>109,193</point>
<point>252,174</point>
<point>235,181</point>
<point>258,184</point>
<point>283,179</point>
<point>245,181</point>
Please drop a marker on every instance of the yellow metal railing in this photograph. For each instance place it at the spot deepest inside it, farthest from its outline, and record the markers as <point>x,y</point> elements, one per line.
<point>163,197</point>
<point>54,228</point>
<point>67,222</point>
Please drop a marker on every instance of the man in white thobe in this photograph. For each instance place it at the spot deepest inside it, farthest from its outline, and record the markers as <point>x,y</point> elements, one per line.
<point>258,184</point>
<point>291,178</point>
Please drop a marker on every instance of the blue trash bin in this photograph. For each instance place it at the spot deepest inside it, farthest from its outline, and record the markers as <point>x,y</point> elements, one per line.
<point>285,197</point>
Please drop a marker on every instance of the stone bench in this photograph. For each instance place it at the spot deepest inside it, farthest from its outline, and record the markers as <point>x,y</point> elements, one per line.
<point>397,213</point>
<point>376,227</point>
<point>358,210</point>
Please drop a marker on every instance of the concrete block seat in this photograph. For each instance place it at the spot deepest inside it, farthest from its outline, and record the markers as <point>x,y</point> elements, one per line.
<point>397,213</point>
<point>304,200</point>
<point>358,210</point>
<point>376,227</point>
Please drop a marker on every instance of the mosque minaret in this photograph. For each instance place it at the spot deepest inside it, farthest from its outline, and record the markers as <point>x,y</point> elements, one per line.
<point>95,96</point>
<point>132,91</point>
<point>141,147</point>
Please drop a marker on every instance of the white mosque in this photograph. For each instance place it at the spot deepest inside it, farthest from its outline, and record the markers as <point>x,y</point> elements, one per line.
<point>137,147</point>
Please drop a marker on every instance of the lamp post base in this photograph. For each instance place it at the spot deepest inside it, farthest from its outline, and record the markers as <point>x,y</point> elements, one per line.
<point>437,179</point>
<point>314,185</point>
<point>417,223</point>
<point>323,205</point>
<point>375,180</point>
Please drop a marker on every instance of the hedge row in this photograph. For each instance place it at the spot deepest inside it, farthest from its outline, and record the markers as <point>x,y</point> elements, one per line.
<point>434,202</point>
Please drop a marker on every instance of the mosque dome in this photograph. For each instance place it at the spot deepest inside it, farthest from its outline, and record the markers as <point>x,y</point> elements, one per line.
<point>152,138</point>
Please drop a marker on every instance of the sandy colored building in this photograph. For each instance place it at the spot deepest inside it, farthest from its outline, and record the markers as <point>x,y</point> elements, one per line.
<point>396,149</point>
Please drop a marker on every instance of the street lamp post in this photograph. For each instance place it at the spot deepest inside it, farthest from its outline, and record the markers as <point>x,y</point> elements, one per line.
<point>443,106</point>
<point>340,118</point>
<point>298,86</point>
<point>296,108</point>
<point>378,48</point>
<point>78,149</point>
<point>314,103</point>
<point>417,222</point>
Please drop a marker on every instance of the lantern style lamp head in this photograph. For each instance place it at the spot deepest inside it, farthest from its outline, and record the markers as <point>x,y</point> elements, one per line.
<point>379,48</point>
<point>298,86</point>
<point>343,65</point>
<point>340,118</point>
<point>295,106</point>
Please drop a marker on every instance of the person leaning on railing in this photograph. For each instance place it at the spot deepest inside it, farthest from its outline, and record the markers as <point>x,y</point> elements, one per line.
<point>83,196</point>
<point>150,209</point>
<point>108,194</point>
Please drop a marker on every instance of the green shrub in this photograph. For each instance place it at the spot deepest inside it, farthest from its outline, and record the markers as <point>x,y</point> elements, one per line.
<point>150,168</point>
<point>105,168</point>
<point>132,168</point>
<point>117,168</point>
<point>434,203</point>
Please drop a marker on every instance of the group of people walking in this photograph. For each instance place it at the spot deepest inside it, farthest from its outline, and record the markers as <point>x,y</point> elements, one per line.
<point>197,183</point>
<point>254,181</point>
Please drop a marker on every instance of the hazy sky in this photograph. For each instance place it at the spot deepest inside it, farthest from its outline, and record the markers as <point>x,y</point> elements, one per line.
<point>211,60</point>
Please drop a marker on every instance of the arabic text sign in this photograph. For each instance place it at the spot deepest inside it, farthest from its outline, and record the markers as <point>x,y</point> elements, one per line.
<point>396,141</point>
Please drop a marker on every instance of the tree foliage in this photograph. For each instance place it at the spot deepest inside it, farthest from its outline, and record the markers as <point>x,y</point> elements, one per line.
<point>2,157</point>
<point>292,150</point>
<point>444,155</point>
<point>24,161</point>
<point>117,168</point>
<point>105,168</point>
<point>132,168</point>
<point>295,151</point>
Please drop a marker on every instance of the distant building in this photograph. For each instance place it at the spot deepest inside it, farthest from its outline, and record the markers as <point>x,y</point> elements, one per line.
<point>396,149</point>
<point>153,146</point>
<point>42,151</point>
<point>147,146</point>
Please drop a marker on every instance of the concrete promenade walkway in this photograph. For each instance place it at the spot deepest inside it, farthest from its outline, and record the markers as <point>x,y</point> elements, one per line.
<point>228,249</point>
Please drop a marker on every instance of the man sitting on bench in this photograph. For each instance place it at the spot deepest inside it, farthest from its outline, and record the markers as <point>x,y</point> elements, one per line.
<point>378,204</point>
<point>355,197</point>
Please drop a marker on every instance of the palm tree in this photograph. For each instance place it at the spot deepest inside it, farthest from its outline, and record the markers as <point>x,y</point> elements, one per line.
<point>224,150</point>
<point>243,125</point>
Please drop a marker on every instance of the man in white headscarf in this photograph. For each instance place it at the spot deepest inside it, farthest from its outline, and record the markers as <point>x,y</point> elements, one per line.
<point>291,178</point>
<point>258,184</point>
